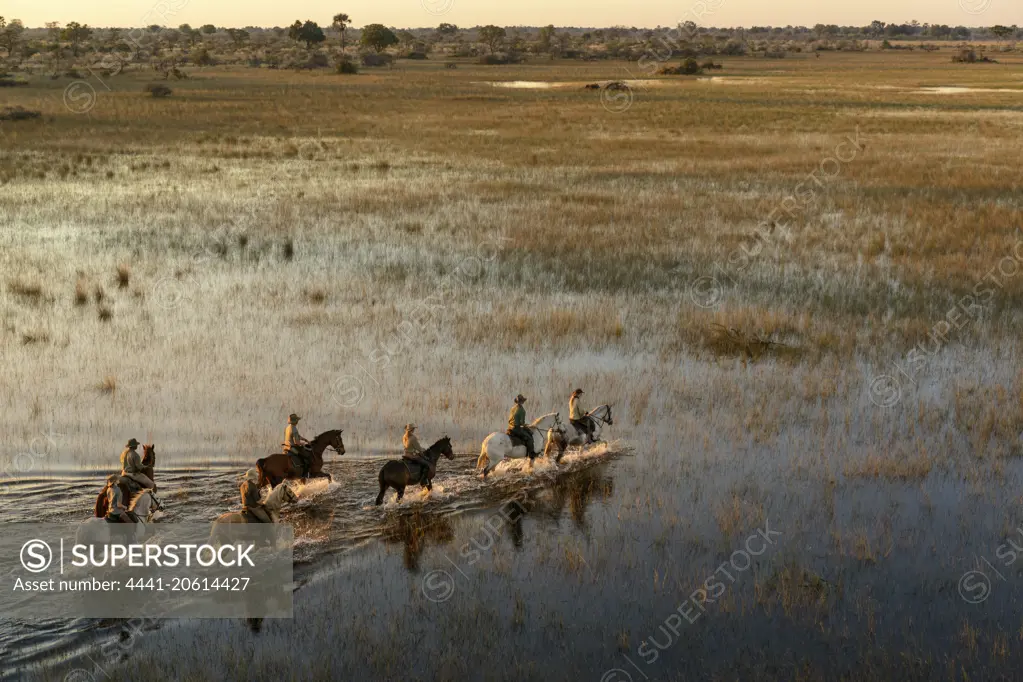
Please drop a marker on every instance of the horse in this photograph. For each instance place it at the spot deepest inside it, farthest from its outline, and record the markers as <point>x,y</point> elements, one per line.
<point>127,485</point>
<point>399,473</point>
<point>145,505</point>
<point>598,415</point>
<point>281,495</point>
<point>498,446</point>
<point>275,469</point>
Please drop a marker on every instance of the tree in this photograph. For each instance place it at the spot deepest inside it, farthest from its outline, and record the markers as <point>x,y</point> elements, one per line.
<point>191,34</point>
<point>1002,31</point>
<point>10,34</point>
<point>446,30</point>
<point>493,36</point>
<point>310,33</point>
<point>208,29</point>
<point>238,36</point>
<point>546,38</point>
<point>407,38</point>
<point>341,23</point>
<point>378,37</point>
<point>76,34</point>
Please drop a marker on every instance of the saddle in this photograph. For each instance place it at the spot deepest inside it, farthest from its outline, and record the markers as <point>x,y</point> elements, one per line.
<point>518,440</point>
<point>424,469</point>
<point>250,517</point>
<point>296,460</point>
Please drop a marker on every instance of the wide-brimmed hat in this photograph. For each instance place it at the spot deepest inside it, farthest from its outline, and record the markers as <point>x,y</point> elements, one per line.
<point>133,443</point>
<point>251,475</point>
<point>577,391</point>
<point>293,417</point>
<point>410,427</point>
<point>520,398</point>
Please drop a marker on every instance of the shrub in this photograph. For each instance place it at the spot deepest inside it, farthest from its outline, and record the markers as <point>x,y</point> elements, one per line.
<point>689,67</point>
<point>347,65</point>
<point>123,276</point>
<point>158,90</point>
<point>81,293</point>
<point>450,65</point>
<point>7,81</point>
<point>202,57</point>
<point>18,114</point>
<point>374,59</point>
<point>499,58</point>
<point>413,55</point>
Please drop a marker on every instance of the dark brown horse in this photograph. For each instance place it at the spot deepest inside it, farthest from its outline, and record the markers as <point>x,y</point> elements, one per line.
<point>128,488</point>
<point>399,473</point>
<point>273,470</point>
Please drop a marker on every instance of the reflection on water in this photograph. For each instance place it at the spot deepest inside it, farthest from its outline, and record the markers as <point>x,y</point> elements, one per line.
<point>574,492</point>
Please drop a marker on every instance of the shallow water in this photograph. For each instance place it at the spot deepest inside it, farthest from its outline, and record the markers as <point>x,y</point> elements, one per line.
<point>329,518</point>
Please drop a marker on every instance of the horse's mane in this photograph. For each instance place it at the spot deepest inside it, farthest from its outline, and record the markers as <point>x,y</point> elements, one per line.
<point>326,435</point>
<point>541,418</point>
<point>276,497</point>
<point>435,448</point>
<point>136,497</point>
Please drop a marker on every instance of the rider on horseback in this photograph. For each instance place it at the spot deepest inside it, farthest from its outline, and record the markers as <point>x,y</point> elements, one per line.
<point>117,509</point>
<point>517,426</point>
<point>295,444</point>
<point>578,417</point>
<point>250,497</point>
<point>414,451</point>
<point>131,466</point>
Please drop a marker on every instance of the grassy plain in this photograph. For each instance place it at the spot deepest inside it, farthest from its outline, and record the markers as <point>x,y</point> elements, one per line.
<point>280,233</point>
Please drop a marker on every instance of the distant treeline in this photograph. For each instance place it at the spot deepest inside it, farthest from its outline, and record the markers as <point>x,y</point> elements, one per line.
<point>305,43</point>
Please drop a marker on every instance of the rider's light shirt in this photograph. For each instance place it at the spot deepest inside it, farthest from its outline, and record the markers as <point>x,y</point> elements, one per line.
<point>115,501</point>
<point>292,439</point>
<point>575,408</point>
<point>131,462</point>
<point>411,443</point>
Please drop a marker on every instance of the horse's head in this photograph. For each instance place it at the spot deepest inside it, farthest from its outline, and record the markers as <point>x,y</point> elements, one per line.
<point>149,455</point>
<point>333,440</point>
<point>444,444</point>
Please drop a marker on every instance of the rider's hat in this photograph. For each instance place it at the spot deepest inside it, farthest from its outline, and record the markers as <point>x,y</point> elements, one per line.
<point>293,417</point>
<point>520,398</point>
<point>133,443</point>
<point>410,427</point>
<point>251,475</point>
<point>577,391</point>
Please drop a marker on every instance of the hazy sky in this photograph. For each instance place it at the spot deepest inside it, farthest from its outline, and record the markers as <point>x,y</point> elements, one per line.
<point>418,13</point>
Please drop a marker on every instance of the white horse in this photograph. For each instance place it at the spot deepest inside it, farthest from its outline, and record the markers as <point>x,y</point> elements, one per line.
<point>498,446</point>
<point>95,530</point>
<point>598,415</point>
<point>281,495</point>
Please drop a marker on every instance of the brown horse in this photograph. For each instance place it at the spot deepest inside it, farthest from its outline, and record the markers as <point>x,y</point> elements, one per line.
<point>399,473</point>
<point>275,469</point>
<point>128,487</point>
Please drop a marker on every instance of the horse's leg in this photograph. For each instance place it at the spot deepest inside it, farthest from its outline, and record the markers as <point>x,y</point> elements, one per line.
<point>401,493</point>
<point>383,489</point>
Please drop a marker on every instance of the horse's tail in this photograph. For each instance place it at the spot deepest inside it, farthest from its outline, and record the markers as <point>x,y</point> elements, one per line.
<point>100,510</point>
<point>263,482</point>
